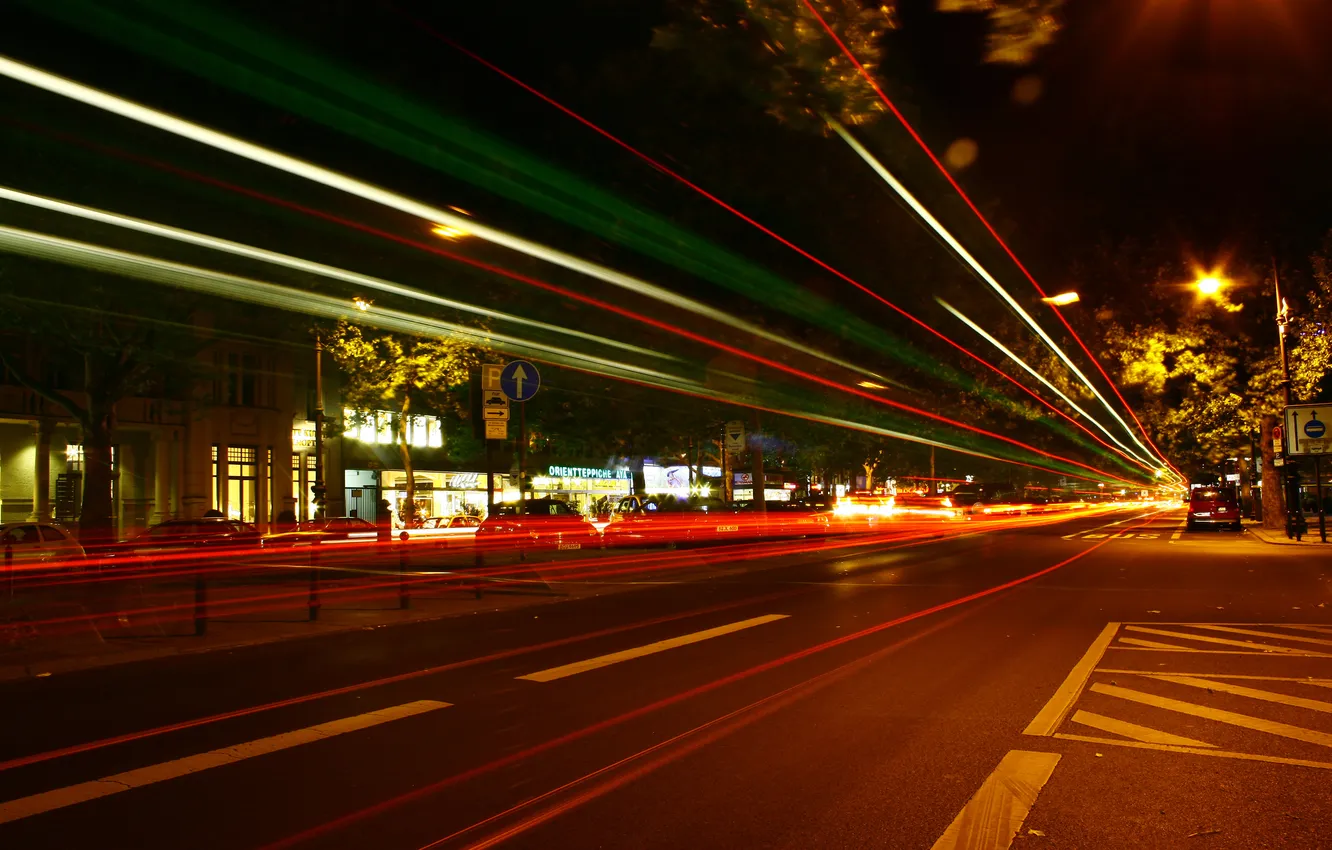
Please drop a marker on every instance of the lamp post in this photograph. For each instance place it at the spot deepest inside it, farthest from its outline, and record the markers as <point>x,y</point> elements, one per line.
<point>317,489</point>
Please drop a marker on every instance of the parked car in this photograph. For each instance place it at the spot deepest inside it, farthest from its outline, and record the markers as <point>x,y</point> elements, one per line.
<point>458,521</point>
<point>39,547</point>
<point>923,505</point>
<point>445,530</point>
<point>782,519</point>
<point>184,539</point>
<point>538,522</point>
<point>341,529</point>
<point>666,521</point>
<point>1213,506</point>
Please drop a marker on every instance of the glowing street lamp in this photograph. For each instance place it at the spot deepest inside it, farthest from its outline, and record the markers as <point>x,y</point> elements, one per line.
<point>360,304</point>
<point>1209,286</point>
<point>1062,298</point>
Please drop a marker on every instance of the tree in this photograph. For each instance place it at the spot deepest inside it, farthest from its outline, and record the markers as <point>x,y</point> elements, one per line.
<point>108,340</point>
<point>407,375</point>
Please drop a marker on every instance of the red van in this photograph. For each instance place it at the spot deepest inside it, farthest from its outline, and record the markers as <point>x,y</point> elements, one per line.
<point>1213,506</point>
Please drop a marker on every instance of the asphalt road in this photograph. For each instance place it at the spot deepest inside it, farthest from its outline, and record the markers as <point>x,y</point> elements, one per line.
<point>1080,683</point>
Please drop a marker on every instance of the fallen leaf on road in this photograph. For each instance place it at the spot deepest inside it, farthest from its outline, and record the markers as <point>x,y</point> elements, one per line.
<point>1204,832</point>
<point>1035,832</point>
<point>1153,612</point>
<point>1098,755</point>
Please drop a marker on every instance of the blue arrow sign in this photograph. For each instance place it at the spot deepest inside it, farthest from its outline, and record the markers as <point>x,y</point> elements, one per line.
<point>1314,429</point>
<point>520,380</point>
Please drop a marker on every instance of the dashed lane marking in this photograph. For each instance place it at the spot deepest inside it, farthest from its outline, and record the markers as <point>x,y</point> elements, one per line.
<point>995,814</point>
<point>61,797</point>
<point>1133,730</point>
<point>600,661</point>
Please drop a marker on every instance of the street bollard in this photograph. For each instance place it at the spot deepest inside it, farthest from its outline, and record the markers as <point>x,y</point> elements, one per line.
<point>314,581</point>
<point>200,604</point>
<point>404,595</point>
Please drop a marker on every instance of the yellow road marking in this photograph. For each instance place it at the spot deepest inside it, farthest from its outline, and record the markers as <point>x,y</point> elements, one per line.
<point>1197,751</point>
<point>60,797</point>
<point>1052,714</point>
<point>1240,690</point>
<point>1265,647</point>
<point>577,667</point>
<point>1163,648</point>
<point>995,814</point>
<point>1322,630</point>
<point>1157,644</point>
<point>1258,724</point>
<point>1133,730</point>
<point>1305,679</point>
<point>1256,633</point>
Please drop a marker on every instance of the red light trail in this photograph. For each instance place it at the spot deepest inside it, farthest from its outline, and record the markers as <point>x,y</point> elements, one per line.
<point>869,78</point>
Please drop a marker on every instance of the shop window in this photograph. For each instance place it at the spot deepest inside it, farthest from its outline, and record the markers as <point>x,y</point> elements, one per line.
<point>302,485</point>
<point>236,482</point>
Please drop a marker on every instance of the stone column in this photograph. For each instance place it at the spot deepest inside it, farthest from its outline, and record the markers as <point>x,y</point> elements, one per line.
<point>41,473</point>
<point>161,475</point>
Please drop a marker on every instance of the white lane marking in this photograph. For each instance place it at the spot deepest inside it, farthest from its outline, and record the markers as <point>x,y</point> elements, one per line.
<point>995,814</point>
<point>1242,691</point>
<point>1247,644</point>
<point>1258,724</point>
<point>1304,679</point>
<point>1156,644</point>
<point>1133,730</point>
<point>577,667</point>
<point>1184,524</point>
<point>1255,633</point>
<point>60,797</point>
<point>1197,751</point>
<point>1049,717</point>
<point>1109,525</point>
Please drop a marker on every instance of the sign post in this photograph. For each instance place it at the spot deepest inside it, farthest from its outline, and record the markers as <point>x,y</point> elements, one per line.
<point>519,381</point>
<point>1306,427</point>
<point>496,428</point>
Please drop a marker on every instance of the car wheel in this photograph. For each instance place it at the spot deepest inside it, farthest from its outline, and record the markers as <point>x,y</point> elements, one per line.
<point>1239,526</point>
<point>1190,526</point>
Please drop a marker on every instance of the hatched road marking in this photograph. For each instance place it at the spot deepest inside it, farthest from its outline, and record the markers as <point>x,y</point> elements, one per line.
<point>1165,697</point>
<point>995,814</point>
<point>600,661</point>
<point>70,795</point>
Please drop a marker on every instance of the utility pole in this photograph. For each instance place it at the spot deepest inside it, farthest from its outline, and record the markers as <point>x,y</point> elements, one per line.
<point>1290,484</point>
<point>756,447</point>
<point>318,490</point>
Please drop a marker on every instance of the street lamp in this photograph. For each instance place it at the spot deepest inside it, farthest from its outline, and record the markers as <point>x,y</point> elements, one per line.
<point>1062,298</point>
<point>1209,285</point>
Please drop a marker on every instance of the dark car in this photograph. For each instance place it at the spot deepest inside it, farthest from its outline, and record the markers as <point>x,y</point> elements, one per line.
<point>182,539</point>
<point>538,522</point>
<point>667,521</point>
<point>340,529</point>
<point>783,519</point>
<point>1213,506</point>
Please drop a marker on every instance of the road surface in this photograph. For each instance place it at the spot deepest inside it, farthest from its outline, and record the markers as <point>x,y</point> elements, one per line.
<point>1096,682</point>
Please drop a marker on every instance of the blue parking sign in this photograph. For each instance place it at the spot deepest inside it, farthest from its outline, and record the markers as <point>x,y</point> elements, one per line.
<point>520,380</point>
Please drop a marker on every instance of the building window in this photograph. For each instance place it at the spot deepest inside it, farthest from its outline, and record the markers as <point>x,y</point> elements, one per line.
<point>382,427</point>
<point>302,484</point>
<point>236,483</point>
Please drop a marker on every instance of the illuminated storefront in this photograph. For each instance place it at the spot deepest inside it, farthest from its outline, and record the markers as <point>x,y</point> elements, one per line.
<point>583,486</point>
<point>441,494</point>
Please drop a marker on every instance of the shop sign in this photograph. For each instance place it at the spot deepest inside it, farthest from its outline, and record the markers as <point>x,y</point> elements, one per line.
<point>463,481</point>
<point>303,436</point>
<point>587,472</point>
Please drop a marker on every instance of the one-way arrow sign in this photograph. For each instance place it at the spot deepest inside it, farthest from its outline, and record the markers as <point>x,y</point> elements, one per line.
<point>520,380</point>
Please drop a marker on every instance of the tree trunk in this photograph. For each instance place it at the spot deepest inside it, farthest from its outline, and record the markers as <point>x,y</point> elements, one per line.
<point>96,516</point>
<point>405,449</point>
<point>1274,511</point>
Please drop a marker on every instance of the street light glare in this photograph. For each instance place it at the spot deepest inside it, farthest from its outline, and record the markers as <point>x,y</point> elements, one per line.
<point>1209,285</point>
<point>870,385</point>
<point>360,304</point>
<point>1062,298</point>
<point>449,231</point>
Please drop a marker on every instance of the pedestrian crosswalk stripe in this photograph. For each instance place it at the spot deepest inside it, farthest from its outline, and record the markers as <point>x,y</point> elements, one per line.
<point>1240,690</point>
<point>1245,721</point>
<point>1133,730</point>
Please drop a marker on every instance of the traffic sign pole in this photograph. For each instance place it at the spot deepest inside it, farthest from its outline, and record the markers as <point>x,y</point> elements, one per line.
<point>522,450</point>
<point>1318,490</point>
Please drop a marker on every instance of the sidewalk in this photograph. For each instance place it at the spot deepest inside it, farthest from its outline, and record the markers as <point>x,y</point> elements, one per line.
<point>1279,538</point>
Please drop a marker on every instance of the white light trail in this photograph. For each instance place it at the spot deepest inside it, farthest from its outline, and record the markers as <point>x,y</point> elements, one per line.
<point>980,270</point>
<point>242,250</point>
<point>1146,464</point>
<point>434,215</point>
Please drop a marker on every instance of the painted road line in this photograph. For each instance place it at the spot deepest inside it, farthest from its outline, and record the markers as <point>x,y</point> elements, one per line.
<point>1197,751</point>
<point>1133,730</point>
<point>1240,690</point>
<point>61,797</point>
<point>577,667</point>
<point>1258,724</point>
<point>1248,644</point>
<point>1156,644</point>
<point>995,814</point>
<point>1256,633</point>
<point>1322,630</point>
<point>1111,524</point>
<point>1304,679</point>
<point>1052,714</point>
<point>1184,524</point>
